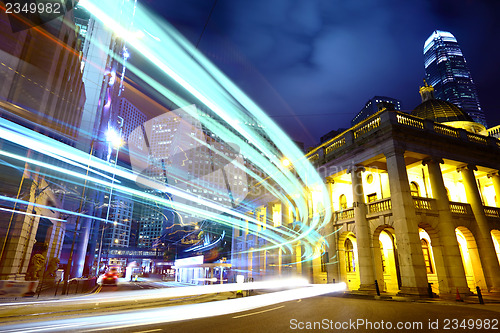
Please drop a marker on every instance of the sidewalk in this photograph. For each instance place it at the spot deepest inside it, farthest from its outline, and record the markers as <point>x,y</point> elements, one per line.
<point>491,300</point>
<point>78,290</point>
<point>77,287</point>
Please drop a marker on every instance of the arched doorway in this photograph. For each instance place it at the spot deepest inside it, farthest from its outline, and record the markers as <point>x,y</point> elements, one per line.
<point>430,265</point>
<point>495,234</point>
<point>389,264</point>
<point>319,263</point>
<point>470,258</point>
<point>348,259</point>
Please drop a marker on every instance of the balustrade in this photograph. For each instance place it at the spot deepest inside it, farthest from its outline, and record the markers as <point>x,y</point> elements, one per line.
<point>379,206</point>
<point>492,211</point>
<point>345,214</point>
<point>460,208</point>
<point>413,122</point>
<point>422,203</point>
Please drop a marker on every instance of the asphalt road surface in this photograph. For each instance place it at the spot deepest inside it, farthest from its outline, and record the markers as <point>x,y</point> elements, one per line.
<point>337,314</point>
<point>321,313</point>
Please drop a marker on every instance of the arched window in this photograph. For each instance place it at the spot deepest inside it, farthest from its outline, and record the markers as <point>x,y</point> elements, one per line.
<point>324,258</point>
<point>414,189</point>
<point>349,256</point>
<point>342,202</point>
<point>427,256</point>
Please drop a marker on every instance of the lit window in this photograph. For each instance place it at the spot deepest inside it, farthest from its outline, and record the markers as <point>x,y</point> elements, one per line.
<point>349,256</point>
<point>427,256</point>
<point>342,202</point>
<point>414,189</point>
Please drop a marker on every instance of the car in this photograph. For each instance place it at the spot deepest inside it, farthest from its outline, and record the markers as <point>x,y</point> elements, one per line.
<point>110,278</point>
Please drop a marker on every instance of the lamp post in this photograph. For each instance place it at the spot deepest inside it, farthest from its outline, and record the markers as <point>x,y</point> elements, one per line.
<point>114,139</point>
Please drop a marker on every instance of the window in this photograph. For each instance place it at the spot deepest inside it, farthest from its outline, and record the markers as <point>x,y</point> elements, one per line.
<point>342,202</point>
<point>324,260</point>
<point>371,197</point>
<point>427,256</point>
<point>414,189</point>
<point>349,256</point>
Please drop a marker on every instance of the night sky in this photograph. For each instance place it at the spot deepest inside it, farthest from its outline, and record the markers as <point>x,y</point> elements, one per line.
<point>312,65</point>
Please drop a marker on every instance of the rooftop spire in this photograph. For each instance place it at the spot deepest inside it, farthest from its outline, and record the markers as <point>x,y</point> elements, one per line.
<point>426,92</point>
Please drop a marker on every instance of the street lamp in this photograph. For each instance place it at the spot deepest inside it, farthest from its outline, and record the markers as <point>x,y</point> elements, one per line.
<point>115,141</point>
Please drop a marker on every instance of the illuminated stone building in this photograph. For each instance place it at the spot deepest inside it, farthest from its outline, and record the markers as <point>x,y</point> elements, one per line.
<point>415,200</point>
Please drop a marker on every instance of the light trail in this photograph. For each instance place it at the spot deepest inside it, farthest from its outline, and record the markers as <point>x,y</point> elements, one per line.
<point>176,313</point>
<point>30,214</point>
<point>236,115</point>
<point>176,58</point>
<point>156,294</point>
<point>24,137</point>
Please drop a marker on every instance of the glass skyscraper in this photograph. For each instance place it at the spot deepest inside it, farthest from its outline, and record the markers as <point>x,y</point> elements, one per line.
<point>446,70</point>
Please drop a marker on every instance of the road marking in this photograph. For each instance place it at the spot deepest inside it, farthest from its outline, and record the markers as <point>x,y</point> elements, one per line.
<point>254,313</point>
<point>122,326</point>
<point>43,328</point>
<point>97,290</point>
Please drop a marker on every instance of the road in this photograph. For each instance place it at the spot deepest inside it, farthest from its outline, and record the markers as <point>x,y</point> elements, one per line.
<point>335,314</point>
<point>330,312</point>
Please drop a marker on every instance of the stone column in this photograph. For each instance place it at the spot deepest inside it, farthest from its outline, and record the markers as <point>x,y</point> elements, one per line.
<point>484,242</point>
<point>411,258</point>
<point>363,233</point>
<point>297,259</point>
<point>332,266</point>
<point>454,274</point>
<point>496,185</point>
<point>285,217</point>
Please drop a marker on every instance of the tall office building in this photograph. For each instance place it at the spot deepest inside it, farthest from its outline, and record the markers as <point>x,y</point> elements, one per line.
<point>133,118</point>
<point>177,151</point>
<point>374,105</point>
<point>446,70</point>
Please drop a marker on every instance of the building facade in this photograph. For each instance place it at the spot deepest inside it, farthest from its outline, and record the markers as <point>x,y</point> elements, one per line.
<point>406,211</point>
<point>446,70</point>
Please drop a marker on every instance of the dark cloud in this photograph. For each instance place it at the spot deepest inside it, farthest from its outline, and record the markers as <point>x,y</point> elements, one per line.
<point>325,59</point>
